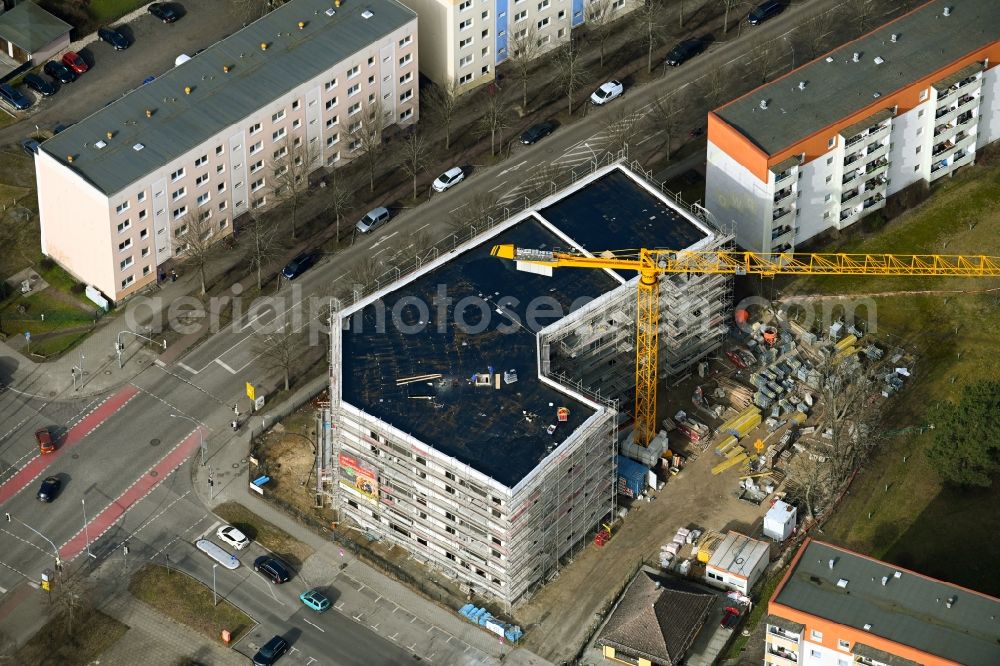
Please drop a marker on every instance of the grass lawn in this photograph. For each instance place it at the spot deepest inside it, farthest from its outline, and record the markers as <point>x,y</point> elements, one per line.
<point>184,599</point>
<point>916,521</point>
<point>266,534</point>
<point>94,634</point>
<point>109,10</point>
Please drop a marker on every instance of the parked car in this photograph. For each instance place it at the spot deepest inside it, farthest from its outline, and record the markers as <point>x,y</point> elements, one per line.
<point>270,651</point>
<point>299,265</point>
<point>30,148</point>
<point>59,72</point>
<point>113,37</point>
<point>60,128</point>
<point>73,60</point>
<point>273,569</point>
<point>537,132</point>
<point>684,51</point>
<point>607,92</point>
<point>14,97</point>
<point>49,489</point>
<point>764,11</point>
<point>232,536</point>
<point>42,435</point>
<point>39,85</point>
<point>449,178</point>
<point>315,600</point>
<point>164,11</point>
<point>373,219</point>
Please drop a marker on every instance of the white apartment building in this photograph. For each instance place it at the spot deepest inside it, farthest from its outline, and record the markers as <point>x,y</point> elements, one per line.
<point>464,40</point>
<point>828,143</point>
<point>205,141</point>
<point>838,608</point>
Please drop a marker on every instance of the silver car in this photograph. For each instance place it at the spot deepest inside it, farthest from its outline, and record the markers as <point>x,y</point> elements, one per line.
<point>373,219</point>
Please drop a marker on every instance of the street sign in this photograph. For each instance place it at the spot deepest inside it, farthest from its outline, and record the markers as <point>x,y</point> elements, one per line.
<point>258,403</point>
<point>27,336</point>
<point>251,391</point>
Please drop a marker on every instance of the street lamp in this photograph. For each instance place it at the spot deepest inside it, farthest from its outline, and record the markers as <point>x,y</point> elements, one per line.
<point>592,152</point>
<point>201,435</point>
<point>55,550</point>
<point>86,527</point>
<point>215,595</point>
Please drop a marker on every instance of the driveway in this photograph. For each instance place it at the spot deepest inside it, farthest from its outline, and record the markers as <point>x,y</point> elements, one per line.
<point>114,73</point>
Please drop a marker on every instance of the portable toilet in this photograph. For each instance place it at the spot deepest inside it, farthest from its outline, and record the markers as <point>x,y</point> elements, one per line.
<point>779,521</point>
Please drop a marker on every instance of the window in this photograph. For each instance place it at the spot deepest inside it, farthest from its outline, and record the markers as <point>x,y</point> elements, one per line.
<point>331,103</point>
<point>353,71</point>
<point>218,150</point>
<point>203,198</point>
<point>355,145</point>
<point>279,153</point>
<point>832,142</point>
<point>142,216</point>
<point>222,206</point>
<point>816,636</point>
<point>544,4</point>
<point>177,175</point>
<point>295,105</point>
<point>406,96</point>
<point>520,16</point>
<point>330,84</point>
<point>331,122</point>
<point>371,60</point>
<point>920,130</point>
<point>465,78</point>
<point>829,160</point>
<point>237,147</point>
<point>465,25</point>
<point>354,127</point>
<point>916,168</point>
<point>465,5</point>
<point>827,198</point>
<point>561,14</point>
<point>127,281</point>
<point>178,193</point>
<point>257,184</point>
<point>126,262</point>
<point>485,34</point>
<point>354,90</point>
<point>826,215</point>
<point>405,60</point>
<point>923,94</point>
<point>465,42</point>
<point>122,207</point>
<point>256,148</point>
<point>406,78</point>
<point>200,180</point>
<point>143,234</point>
<point>560,32</point>
<point>146,269</point>
<point>220,168</point>
<point>829,178</point>
<point>405,115</point>
<point>204,216</point>
<point>257,203</point>
<point>140,197</point>
<point>201,160</point>
<point>296,124</point>
<point>254,128</point>
<point>465,61</point>
<point>178,212</point>
<point>277,135</point>
<point>278,117</point>
<point>354,108</point>
<point>256,166</point>
<point>918,150</point>
<point>333,159</point>
<point>815,654</point>
<point>124,245</point>
<point>485,69</point>
<point>405,41</point>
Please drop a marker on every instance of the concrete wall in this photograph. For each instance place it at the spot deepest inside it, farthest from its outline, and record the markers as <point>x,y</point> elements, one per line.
<point>735,196</point>
<point>911,131</point>
<point>989,108</point>
<point>40,56</point>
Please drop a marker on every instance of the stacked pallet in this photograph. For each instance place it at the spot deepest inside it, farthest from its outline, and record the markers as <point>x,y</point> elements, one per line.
<point>738,395</point>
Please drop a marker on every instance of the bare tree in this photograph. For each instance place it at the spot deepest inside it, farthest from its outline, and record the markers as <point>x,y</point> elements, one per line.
<point>442,102</point>
<point>600,15</point>
<point>262,243</point>
<point>197,238</point>
<point>544,179</point>
<point>760,62</point>
<point>622,128</point>
<point>279,350</point>
<point>415,156</point>
<point>571,73</point>
<point>71,596</point>
<point>649,26</point>
<point>861,12</point>
<point>367,270</point>
<point>728,5</point>
<point>494,118</point>
<point>666,114</point>
<point>251,10</point>
<point>850,420</point>
<point>366,134</point>
<point>811,37</point>
<point>340,200</point>
<point>522,50</point>
<point>476,213</point>
<point>810,481</point>
<point>289,173</point>
<point>715,86</point>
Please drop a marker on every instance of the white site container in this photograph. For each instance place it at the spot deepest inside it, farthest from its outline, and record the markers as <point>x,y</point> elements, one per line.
<point>779,521</point>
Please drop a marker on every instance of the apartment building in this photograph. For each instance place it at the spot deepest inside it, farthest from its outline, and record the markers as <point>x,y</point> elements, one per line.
<point>838,608</point>
<point>828,143</point>
<point>210,139</point>
<point>464,40</point>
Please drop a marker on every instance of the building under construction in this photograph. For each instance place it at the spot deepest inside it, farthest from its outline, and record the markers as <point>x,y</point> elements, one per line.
<point>477,410</point>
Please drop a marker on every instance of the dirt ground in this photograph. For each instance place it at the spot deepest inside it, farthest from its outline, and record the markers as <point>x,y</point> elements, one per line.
<point>562,615</point>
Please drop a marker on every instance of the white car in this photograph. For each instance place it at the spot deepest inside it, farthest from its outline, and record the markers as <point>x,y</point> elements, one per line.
<point>232,536</point>
<point>452,176</point>
<point>607,92</point>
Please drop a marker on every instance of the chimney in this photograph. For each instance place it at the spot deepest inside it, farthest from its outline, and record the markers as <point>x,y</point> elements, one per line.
<point>802,85</point>
<point>893,38</point>
<point>857,57</point>
<point>952,599</point>
<point>833,560</point>
<point>263,46</point>
<point>763,104</point>
<point>110,135</point>
<point>226,69</point>
<point>947,11</point>
<point>885,579</point>
<point>302,24</point>
<point>149,113</point>
<point>187,90</point>
<point>336,3</point>
<point>69,158</point>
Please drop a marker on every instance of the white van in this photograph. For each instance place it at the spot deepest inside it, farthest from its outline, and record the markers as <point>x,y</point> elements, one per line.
<point>373,219</point>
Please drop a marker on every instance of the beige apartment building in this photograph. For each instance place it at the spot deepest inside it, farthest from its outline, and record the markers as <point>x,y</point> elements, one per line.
<point>464,40</point>
<point>118,191</point>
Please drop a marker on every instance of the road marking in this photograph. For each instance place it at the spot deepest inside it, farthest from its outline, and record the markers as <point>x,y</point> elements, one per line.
<point>212,527</point>
<point>393,637</point>
<point>226,367</point>
<point>375,626</point>
<point>458,208</point>
<point>502,183</point>
<point>423,227</point>
<point>3,590</point>
<point>186,367</point>
<point>339,606</point>
<point>258,316</point>
<point>384,239</point>
<point>313,625</point>
<point>514,168</point>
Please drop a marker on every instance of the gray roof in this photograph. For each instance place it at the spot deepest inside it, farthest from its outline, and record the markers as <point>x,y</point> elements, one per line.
<point>31,27</point>
<point>218,100</point>
<point>911,609</point>
<point>835,90</point>
<point>658,623</point>
<point>739,554</point>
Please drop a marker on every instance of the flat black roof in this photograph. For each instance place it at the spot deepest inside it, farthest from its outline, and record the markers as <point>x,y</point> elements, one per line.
<point>501,433</point>
<point>926,41</point>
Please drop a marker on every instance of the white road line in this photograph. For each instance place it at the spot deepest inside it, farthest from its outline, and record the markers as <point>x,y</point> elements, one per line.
<point>3,590</point>
<point>188,368</point>
<point>313,625</point>
<point>420,229</point>
<point>226,367</point>
<point>502,183</point>
<point>458,208</point>
<point>258,316</point>
<point>212,527</point>
<point>384,239</point>
<point>651,136</point>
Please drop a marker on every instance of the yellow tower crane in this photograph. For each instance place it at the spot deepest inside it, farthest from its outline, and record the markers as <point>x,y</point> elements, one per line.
<point>651,264</point>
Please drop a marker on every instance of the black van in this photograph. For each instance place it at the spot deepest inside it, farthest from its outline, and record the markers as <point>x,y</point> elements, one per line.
<point>764,11</point>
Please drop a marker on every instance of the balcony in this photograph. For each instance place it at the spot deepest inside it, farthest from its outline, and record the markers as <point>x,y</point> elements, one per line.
<point>782,215</point>
<point>782,176</point>
<point>851,159</point>
<point>946,97</point>
<point>848,213</point>
<point>779,656</point>
<point>779,638</point>
<point>965,119</point>
<point>943,129</point>
<point>850,176</point>
<point>876,149</point>
<point>782,237</point>
<point>946,115</point>
<point>942,148</point>
<point>964,83</point>
<point>873,168</point>
<point>967,103</point>
<point>782,195</point>
<point>961,158</point>
<point>964,139</point>
<point>878,132</point>
<point>850,196</point>
<point>854,140</point>
<point>875,183</point>
<point>873,201</point>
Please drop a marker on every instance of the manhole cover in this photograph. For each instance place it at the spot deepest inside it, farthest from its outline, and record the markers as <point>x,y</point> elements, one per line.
<point>154,442</point>
<point>243,460</point>
<point>154,473</point>
<point>107,372</point>
<point>236,465</point>
<point>52,394</point>
<point>75,456</point>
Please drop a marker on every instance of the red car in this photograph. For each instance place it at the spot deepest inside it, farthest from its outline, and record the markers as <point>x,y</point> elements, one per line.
<point>73,60</point>
<point>45,443</point>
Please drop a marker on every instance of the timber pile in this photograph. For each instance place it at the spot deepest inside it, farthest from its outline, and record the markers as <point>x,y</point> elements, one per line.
<point>739,395</point>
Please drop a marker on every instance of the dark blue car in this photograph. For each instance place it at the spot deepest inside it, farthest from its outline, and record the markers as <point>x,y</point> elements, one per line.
<point>13,97</point>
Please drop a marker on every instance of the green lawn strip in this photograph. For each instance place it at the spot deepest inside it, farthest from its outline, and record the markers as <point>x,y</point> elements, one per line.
<point>187,601</point>
<point>265,533</point>
<point>93,634</point>
<point>762,594</point>
<point>109,10</point>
